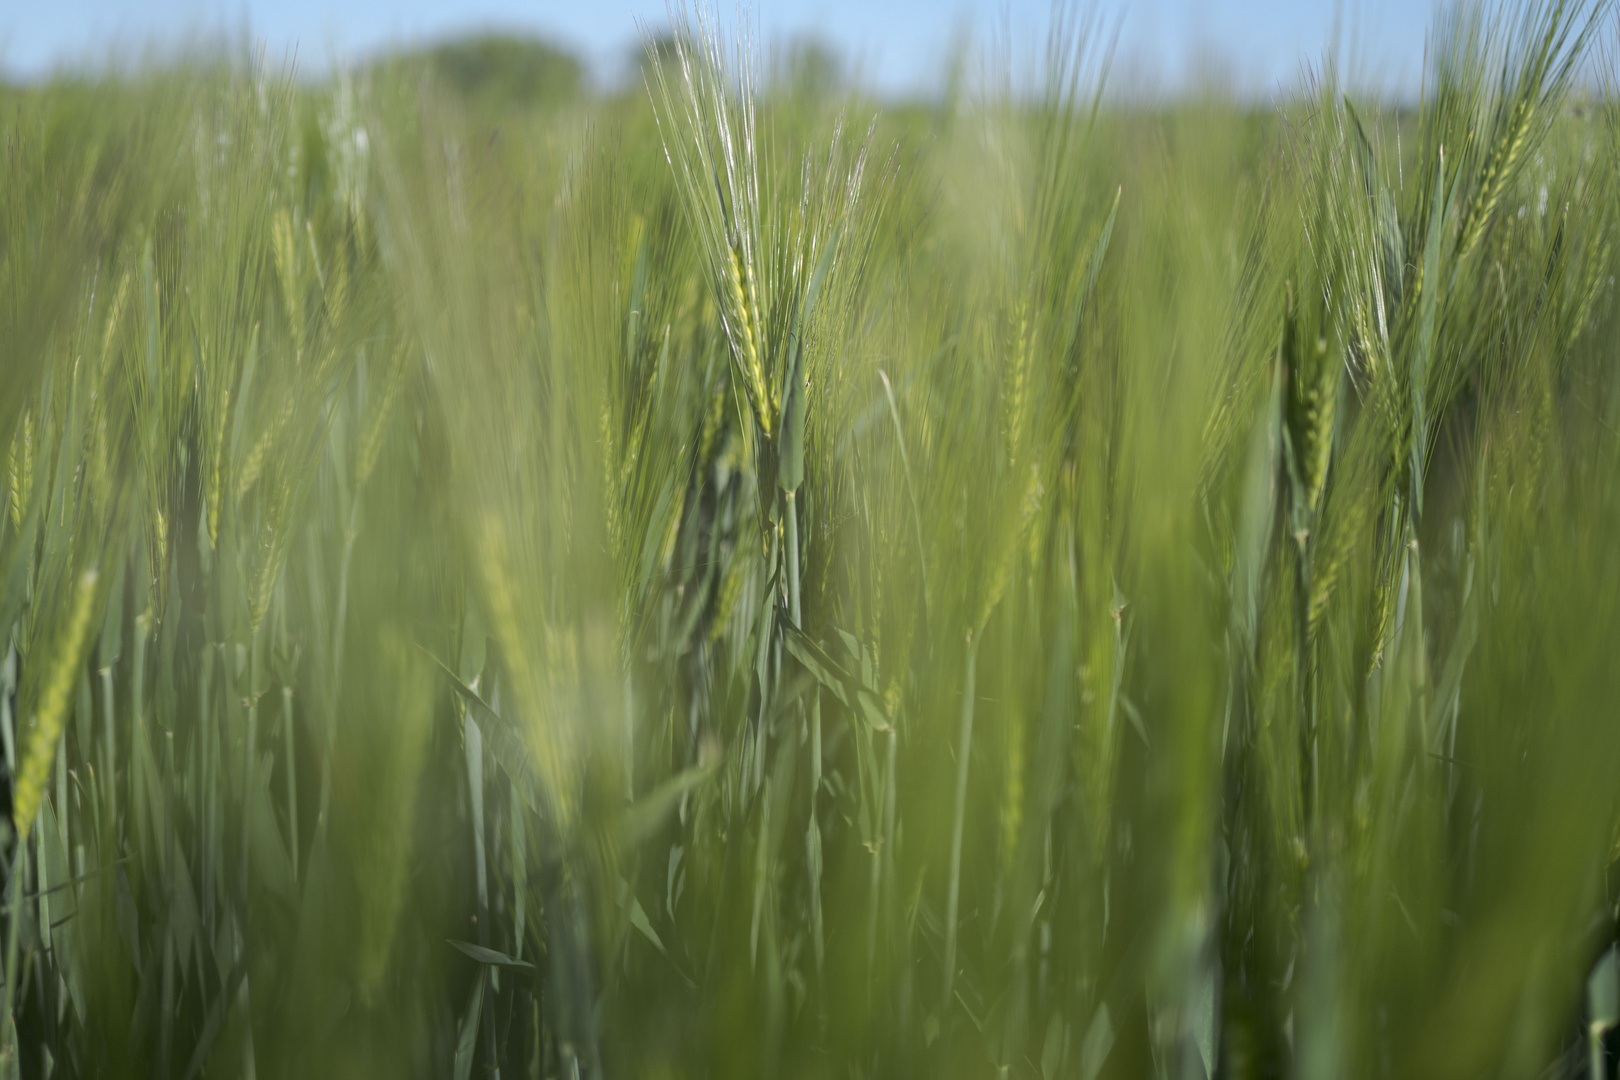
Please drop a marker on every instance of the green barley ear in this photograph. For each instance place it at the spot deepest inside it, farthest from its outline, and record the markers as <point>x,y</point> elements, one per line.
<point>742,325</point>
<point>1311,360</point>
<point>253,465</point>
<point>214,453</point>
<point>1550,43</point>
<point>732,579</point>
<point>285,251</point>
<point>377,416</point>
<point>53,701</point>
<point>1016,416</point>
<point>707,128</point>
<point>274,534</point>
<point>20,466</point>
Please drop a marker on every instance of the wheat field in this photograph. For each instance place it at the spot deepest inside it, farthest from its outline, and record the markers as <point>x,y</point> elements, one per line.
<point>735,578</point>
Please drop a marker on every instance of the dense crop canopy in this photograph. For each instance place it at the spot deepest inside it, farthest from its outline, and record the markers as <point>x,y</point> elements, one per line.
<point>730,581</point>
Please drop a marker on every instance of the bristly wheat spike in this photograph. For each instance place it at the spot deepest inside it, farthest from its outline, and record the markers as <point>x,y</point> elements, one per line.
<point>1498,167</point>
<point>21,467</point>
<point>1014,420</point>
<point>52,710</point>
<point>745,304</point>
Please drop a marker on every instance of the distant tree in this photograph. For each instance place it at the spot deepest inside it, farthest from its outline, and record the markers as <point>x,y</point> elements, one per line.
<point>504,71</point>
<point>809,67</point>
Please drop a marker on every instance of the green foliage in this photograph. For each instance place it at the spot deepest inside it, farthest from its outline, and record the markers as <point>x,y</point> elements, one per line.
<point>501,73</point>
<point>726,581</point>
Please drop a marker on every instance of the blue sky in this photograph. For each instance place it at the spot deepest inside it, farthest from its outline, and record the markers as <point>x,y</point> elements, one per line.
<point>900,45</point>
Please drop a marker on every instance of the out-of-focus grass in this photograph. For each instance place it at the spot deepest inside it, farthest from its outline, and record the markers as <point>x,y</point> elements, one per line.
<point>728,581</point>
